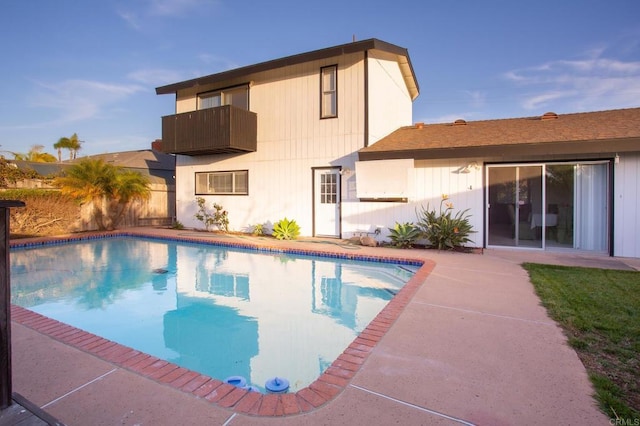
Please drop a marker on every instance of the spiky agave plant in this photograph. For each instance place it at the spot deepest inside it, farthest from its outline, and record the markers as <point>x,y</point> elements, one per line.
<point>404,235</point>
<point>286,229</point>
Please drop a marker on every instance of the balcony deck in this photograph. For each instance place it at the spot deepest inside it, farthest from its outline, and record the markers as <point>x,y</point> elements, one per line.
<point>220,130</point>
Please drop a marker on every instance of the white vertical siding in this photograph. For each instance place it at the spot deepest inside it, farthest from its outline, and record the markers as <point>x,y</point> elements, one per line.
<point>287,101</point>
<point>432,180</point>
<point>626,205</point>
<point>276,189</point>
<point>389,103</point>
<point>292,139</point>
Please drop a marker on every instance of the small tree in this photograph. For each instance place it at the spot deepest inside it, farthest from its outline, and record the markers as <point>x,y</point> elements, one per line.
<point>72,144</point>
<point>129,186</point>
<point>36,155</point>
<point>219,217</point>
<point>94,181</point>
<point>75,146</point>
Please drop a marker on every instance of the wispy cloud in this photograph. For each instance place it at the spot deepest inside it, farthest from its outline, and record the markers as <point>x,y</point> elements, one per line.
<point>217,62</point>
<point>135,16</point>
<point>546,98</point>
<point>177,7</point>
<point>476,98</point>
<point>156,77</point>
<point>131,19</point>
<point>76,100</point>
<point>593,82</point>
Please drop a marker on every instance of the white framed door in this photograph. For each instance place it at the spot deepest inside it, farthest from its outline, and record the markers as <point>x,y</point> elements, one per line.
<point>326,202</point>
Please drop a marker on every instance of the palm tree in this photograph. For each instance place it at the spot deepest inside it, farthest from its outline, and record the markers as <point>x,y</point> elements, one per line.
<point>94,181</point>
<point>63,143</point>
<point>129,186</point>
<point>35,155</point>
<point>72,144</point>
<point>75,146</point>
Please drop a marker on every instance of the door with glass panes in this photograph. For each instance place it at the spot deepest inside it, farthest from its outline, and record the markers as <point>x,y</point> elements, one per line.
<point>326,202</point>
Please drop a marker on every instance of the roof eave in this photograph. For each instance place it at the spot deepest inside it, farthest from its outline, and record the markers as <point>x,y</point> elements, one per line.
<point>359,46</point>
<point>600,148</point>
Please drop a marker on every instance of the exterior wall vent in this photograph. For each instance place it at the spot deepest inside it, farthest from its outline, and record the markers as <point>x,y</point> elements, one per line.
<point>460,122</point>
<point>549,116</point>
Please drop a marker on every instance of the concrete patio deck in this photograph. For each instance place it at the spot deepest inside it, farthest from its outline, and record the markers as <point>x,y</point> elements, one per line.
<point>471,346</point>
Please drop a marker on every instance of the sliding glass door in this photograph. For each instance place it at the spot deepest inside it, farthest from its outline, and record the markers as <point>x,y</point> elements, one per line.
<point>592,207</point>
<point>562,205</point>
<point>515,202</point>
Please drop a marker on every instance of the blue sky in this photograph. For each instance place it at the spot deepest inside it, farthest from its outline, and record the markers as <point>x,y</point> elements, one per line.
<point>91,67</point>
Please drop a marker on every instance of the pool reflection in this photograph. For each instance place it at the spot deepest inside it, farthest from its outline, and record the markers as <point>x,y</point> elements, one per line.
<point>217,311</point>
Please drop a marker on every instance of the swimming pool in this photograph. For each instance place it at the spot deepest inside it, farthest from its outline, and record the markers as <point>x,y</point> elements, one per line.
<point>219,311</point>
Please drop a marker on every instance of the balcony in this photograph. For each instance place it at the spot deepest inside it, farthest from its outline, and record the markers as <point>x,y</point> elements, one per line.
<point>221,130</point>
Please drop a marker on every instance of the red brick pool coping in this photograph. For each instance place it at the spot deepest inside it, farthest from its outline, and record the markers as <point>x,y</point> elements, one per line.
<point>326,387</point>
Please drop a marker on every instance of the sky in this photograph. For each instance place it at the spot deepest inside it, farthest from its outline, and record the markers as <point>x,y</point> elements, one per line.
<point>91,67</point>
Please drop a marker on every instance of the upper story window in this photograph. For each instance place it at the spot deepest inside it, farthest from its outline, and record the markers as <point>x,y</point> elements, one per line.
<point>329,91</point>
<point>237,96</point>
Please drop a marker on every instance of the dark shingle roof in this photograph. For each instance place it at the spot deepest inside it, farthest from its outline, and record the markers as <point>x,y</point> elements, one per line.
<point>602,127</point>
<point>343,49</point>
<point>142,159</point>
<point>158,166</point>
<point>43,169</point>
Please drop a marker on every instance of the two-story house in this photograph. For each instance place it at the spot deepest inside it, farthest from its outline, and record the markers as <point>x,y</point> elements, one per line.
<point>326,138</point>
<point>281,138</point>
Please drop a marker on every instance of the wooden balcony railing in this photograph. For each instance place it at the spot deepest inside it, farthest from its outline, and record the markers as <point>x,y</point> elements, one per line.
<point>225,129</point>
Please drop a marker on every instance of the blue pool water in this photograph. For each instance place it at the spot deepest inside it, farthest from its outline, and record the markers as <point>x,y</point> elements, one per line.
<point>215,310</point>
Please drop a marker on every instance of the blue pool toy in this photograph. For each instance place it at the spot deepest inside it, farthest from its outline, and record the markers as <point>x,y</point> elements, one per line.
<point>277,385</point>
<point>237,381</point>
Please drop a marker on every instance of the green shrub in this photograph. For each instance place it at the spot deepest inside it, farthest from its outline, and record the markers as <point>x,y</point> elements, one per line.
<point>286,229</point>
<point>35,193</point>
<point>9,174</point>
<point>404,235</point>
<point>258,229</point>
<point>219,217</point>
<point>443,229</point>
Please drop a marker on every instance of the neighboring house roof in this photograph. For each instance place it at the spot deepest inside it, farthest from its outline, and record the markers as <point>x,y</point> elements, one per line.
<point>43,169</point>
<point>143,159</point>
<point>588,134</point>
<point>354,47</point>
<point>160,167</point>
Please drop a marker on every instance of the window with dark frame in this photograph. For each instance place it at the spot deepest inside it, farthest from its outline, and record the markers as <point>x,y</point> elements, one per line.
<point>237,96</point>
<point>329,91</point>
<point>234,182</point>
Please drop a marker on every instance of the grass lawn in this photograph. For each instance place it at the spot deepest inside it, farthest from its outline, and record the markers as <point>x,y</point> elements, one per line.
<point>599,310</point>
